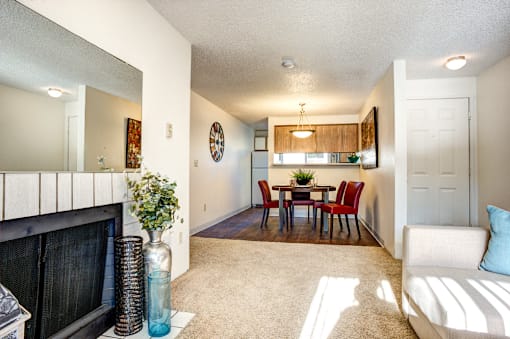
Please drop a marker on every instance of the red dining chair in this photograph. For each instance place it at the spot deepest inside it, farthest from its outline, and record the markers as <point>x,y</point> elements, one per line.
<point>267,203</point>
<point>318,203</point>
<point>349,206</point>
<point>301,199</point>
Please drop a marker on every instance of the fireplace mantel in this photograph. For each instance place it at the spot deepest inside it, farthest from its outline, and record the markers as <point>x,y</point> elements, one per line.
<point>27,194</point>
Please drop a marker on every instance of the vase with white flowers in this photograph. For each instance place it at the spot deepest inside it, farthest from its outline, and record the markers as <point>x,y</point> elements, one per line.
<point>155,206</point>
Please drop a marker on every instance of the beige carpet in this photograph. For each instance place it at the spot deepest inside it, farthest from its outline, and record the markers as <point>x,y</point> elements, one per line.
<point>244,289</point>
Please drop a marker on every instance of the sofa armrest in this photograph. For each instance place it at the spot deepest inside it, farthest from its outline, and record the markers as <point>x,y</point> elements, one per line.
<point>446,246</point>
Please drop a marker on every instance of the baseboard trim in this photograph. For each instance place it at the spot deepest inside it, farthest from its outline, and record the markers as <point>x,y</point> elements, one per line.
<point>372,232</point>
<point>208,224</point>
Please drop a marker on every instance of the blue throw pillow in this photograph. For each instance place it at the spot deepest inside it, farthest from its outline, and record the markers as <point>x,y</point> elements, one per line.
<point>497,257</point>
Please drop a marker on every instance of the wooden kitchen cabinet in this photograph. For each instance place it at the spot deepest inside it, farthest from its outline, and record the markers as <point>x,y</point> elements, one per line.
<point>326,139</point>
<point>306,145</point>
<point>282,139</point>
<point>349,138</point>
<point>336,138</point>
<point>285,142</point>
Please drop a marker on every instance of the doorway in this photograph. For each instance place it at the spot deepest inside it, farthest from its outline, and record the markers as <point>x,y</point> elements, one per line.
<point>438,162</point>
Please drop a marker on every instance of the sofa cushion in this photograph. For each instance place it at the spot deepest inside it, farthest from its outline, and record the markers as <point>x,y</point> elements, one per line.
<point>461,299</point>
<point>497,257</point>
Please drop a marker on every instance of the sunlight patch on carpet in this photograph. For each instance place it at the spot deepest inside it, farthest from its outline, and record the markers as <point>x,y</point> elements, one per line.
<point>385,292</point>
<point>333,296</point>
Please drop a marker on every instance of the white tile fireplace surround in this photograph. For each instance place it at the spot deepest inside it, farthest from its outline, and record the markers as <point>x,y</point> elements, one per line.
<point>27,194</point>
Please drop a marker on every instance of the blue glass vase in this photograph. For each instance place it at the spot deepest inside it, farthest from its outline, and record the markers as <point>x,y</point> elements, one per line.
<point>159,306</point>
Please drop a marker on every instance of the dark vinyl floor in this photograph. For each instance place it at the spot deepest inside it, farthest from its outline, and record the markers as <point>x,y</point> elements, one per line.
<point>246,226</point>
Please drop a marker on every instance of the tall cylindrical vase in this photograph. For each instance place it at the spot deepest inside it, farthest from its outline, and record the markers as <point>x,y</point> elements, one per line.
<point>129,285</point>
<point>157,257</point>
<point>159,310</point>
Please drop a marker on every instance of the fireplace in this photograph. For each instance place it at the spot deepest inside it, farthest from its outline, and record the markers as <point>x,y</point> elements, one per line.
<point>60,267</point>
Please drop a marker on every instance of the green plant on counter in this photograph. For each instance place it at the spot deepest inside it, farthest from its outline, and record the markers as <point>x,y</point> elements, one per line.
<point>353,157</point>
<point>155,204</point>
<point>302,176</point>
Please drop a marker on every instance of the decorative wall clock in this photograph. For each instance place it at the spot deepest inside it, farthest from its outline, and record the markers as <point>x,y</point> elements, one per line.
<point>216,141</point>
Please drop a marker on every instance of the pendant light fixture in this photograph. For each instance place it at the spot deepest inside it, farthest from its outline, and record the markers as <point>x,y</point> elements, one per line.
<point>302,130</point>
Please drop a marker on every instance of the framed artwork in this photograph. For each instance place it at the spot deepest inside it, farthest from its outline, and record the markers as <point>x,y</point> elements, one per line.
<point>134,143</point>
<point>369,140</point>
<point>216,141</point>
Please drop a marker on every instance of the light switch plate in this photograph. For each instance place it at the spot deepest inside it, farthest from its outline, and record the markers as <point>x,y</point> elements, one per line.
<point>169,131</point>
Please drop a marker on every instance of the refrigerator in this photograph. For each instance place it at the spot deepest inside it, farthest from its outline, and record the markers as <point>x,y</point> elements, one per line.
<point>259,167</point>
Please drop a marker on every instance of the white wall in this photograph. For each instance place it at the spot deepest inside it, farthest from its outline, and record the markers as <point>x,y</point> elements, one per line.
<point>134,32</point>
<point>224,187</point>
<point>326,175</point>
<point>454,88</point>
<point>378,197</point>
<point>400,111</point>
<point>494,138</point>
<point>31,131</point>
<point>106,128</point>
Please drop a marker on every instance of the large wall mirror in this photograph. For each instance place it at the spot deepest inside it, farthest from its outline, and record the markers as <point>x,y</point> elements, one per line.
<point>86,123</point>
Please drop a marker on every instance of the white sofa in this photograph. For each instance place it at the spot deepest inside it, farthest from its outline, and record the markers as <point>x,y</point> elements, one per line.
<point>444,295</point>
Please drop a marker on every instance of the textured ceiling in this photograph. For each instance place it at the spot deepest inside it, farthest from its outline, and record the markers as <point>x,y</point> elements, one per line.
<point>341,48</point>
<point>35,54</point>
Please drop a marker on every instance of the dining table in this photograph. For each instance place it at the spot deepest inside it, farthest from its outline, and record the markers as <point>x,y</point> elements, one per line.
<point>283,189</point>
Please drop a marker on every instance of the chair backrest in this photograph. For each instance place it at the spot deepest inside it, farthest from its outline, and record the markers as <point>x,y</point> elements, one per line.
<point>264,189</point>
<point>353,193</point>
<point>340,192</point>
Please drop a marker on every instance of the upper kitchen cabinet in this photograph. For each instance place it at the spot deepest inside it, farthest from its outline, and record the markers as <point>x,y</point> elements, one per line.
<point>336,138</point>
<point>285,142</point>
<point>326,139</point>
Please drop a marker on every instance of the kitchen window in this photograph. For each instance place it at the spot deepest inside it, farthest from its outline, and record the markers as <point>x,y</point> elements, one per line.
<point>337,158</point>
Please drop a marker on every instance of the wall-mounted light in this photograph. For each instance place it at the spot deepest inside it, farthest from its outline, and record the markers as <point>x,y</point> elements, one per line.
<point>54,92</point>
<point>302,131</point>
<point>456,62</point>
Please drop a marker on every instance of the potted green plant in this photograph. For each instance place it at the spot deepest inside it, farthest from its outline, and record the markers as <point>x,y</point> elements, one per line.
<point>302,176</point>
<point>353,157</point>
<point>155,206</point>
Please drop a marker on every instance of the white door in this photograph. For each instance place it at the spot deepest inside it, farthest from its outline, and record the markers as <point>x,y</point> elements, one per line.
<point>438,162</point>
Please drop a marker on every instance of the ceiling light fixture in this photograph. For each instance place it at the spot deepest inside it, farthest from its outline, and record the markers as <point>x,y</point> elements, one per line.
<point>288,62</point>
<point>456,62</point>
<point>54,92</point>
<point>302,131</point>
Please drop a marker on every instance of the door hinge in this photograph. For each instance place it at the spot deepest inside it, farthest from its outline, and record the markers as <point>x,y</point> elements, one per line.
<point>469,116</point>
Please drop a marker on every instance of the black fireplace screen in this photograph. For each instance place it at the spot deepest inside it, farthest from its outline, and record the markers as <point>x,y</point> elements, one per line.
<point>58,276</point>
<point>23,280</point>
